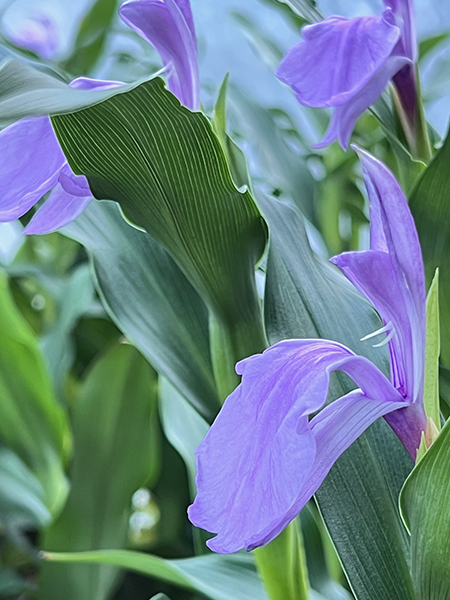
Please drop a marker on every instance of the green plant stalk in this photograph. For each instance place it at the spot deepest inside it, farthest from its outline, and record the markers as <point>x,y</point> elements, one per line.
<point>282,565</point>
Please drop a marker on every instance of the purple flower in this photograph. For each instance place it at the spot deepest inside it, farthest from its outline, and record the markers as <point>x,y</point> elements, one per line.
<point>347,63</point>
<point>38,34</point>
<point>32,162</point>
<point>269,449</point>
<point>168,25</point>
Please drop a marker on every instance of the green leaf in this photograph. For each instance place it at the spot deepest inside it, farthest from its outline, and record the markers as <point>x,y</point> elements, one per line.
<point>91,37</point>
<point>424,506</point>
<point>21,494</point>
<point>150,300</point>
<point>306,297</point>
<point>166,168</point>
<point>306,9</point>
<point>32,423</point>
<point>432,349</point>
<point>76,296</point>
<point>115,430</point>
<point>431,212</point>
<point>426,46</point>
<point>217,577</point>
<point>26,91</point>
<point>284,168</point>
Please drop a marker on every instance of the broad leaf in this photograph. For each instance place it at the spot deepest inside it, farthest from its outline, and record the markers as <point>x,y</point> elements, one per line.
<point>424,504</point>
<point>26,91</point>
<point>217,577</point>
<point>32,423</point>
<point>166,168</point>
<point>307,298</point>
<point>115,431</point>
<point>431,210</point>
<point>150,300</point>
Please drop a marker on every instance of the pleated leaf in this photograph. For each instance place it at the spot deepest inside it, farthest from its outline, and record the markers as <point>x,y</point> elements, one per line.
<point>166,168</point>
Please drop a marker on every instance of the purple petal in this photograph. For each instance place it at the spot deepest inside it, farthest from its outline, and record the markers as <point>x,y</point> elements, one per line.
<point>337,59</point>
<point>59,209</point>
<point>392,227</point>
<point>168,26</point>
<point>31,160</point>
<point>405,18</point>
<point>344,117</point>
<point>256,459</point>
<point>87,83</point>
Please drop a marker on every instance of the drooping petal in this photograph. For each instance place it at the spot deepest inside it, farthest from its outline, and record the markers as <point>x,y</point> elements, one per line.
<point>30,162</point>
<point>334,429</point>
<point>374,275</point>
<point>345,116</point>
<point>59,209</point>
<point>87,83</point>
<point>168,26</point>
<point>257,456</point>
<point>337,59</point>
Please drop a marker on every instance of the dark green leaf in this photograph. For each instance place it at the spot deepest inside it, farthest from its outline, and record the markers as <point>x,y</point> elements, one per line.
<point>424,505</point>
<point>431,209</point>
<point>150,300</point>
<point>115,429</point>
<point>308,298</point>
<point>32,423</point>
<point>167,169</point>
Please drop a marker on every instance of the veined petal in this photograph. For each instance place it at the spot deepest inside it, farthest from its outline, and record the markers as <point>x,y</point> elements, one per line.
<point>59,209</point>
<point>334,429</point>
<point>256,459</point>
<point>337,59</point>
<point>168,26</point>
<point>345,116</point>
<point>31,160</point>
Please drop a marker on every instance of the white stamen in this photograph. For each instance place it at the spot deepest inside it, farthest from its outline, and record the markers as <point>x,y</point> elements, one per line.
<point>383,329</point>
<point>387,339</point>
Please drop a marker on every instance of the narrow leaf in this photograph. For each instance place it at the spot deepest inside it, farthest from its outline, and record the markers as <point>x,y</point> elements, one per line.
<point>432,350</point>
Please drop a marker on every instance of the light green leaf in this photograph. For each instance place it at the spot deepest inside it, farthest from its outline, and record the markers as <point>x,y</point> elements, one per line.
<point>306,297</point>
<point>432,350</point>
<point>167,169</point>
<point>305,9</point>
<point>150,300</point>
<point>431,209</point>
<point>217,577</point>
<point>115,430</point>
<point>183,426</point>
<point>25,92</point>
<point>21,494</point>
<point>424,506</point>
<point>32,423</point>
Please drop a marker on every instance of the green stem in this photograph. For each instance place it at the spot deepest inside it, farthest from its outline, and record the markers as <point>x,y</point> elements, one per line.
<point>282,565</point>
